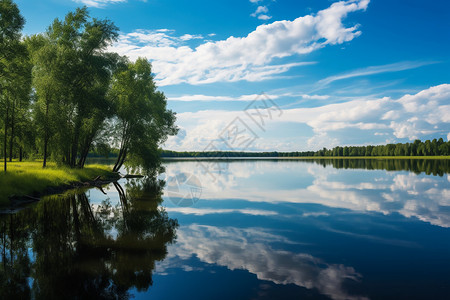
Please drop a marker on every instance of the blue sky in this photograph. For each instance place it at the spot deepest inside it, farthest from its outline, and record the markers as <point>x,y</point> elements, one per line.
<point>332,72</point>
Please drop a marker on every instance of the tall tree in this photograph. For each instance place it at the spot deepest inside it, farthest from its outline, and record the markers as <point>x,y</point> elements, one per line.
<point>11,49</point>
<point>20,93</point>
<point>76,73</point>
<point>44,54</point>
<point>142,120</point>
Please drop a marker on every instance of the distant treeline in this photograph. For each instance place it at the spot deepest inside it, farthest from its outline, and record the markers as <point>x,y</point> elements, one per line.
<point>417,148</point>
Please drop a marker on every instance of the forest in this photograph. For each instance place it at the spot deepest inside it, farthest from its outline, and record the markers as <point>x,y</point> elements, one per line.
<point>63,95</point>
<point>417,148</point>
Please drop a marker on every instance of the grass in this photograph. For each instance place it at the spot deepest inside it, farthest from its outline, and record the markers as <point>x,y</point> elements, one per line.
<point>26,178</point>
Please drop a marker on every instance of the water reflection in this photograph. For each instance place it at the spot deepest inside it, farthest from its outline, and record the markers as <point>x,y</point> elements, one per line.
<point>412,195</point>
<point>417,166</point>
<point>315,229</point>
<point>64,247</point>
<point>251,249</point>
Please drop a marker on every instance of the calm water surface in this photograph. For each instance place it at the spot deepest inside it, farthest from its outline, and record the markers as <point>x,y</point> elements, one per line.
<point>240,230</point>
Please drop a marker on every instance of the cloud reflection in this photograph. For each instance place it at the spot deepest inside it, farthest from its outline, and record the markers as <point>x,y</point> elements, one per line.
<point>424,197</point>
<point>249,249</point>
<point>209,211</point>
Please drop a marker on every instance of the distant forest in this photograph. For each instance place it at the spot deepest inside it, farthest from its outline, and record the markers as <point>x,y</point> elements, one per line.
<point>417,148</point>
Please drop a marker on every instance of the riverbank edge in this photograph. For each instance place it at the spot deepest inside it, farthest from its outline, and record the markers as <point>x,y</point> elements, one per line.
<point>303,157</point>
<point>16,202</point>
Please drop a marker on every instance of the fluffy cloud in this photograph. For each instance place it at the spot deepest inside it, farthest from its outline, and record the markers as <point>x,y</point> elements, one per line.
<point>410,117</point>
<point>241,58</point>
<point>261,13</point>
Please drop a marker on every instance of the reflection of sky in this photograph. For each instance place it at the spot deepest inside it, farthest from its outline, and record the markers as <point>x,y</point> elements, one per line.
<point>424,197</point>
<point>343,233</point>
<point>249,249</point>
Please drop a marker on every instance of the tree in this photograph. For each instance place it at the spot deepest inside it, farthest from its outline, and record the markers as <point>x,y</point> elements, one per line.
<point>142,119</point>
<point>72,75</point>
<point>20,94</point>
<point>345,151</point>
<point>11,51</point>
<point>44,54</point>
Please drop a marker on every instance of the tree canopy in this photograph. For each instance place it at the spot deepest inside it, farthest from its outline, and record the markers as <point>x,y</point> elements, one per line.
<point>75,95</point>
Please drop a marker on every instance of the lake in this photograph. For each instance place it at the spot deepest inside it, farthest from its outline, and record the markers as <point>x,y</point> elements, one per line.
<point>243,229</point>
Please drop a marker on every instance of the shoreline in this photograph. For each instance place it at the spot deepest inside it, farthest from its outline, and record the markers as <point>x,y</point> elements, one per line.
<point>203,158</point>
<point>27,181</point>
<point>18,202</point>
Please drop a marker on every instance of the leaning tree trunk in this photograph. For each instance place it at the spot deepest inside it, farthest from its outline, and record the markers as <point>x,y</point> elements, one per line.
<point>120,160</point>
<point>85,148</point>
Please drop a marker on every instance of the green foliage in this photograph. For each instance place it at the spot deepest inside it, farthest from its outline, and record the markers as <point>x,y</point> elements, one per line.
<point>14,71</point>
<point>418,148</point>
<point>72,74</point>
<point>82,98</point>
<point>142,120</point>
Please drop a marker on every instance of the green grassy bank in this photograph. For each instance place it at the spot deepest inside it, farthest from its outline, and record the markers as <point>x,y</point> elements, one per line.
<point>25,178</point>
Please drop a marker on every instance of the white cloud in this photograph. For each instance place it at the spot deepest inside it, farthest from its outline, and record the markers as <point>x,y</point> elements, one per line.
<point>99,3</point>
<point>219,98</point>
<point>261,13</point>
<point>264,17</point>
<point>410,117</point>
<point>396,67</point>
<point>315,97</point>
<point>241,58</point>
<point>259,10</point>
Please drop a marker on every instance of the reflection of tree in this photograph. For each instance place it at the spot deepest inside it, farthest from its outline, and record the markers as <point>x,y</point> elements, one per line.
<point>84,251</point>
<point>15,261</point>
<point>429,166</point>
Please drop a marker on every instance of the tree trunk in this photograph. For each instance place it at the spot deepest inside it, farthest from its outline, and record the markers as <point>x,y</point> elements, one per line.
<point>76,139</point>
<point>45,152</point>
<point>120,160</point>
<point>20,153</point>
<point>123,147</point>
<point>124,156</point>
<point>84,154</point>
<point>46,133</point>
<point>5,140</point>
<point>85,149</point>
<point>11,138</point>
